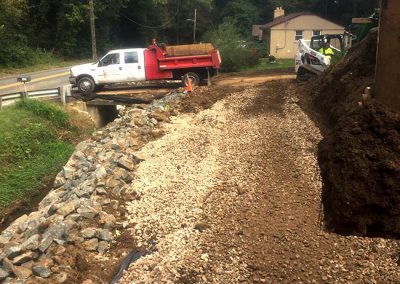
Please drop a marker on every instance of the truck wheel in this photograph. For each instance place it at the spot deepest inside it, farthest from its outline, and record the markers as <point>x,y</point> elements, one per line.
<point>191,76</point>
<point>86,85</point>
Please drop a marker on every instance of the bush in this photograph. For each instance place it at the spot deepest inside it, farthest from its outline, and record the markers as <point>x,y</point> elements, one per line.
<point>45,110</point>
<point>236,52</point>
<point>20,55</point>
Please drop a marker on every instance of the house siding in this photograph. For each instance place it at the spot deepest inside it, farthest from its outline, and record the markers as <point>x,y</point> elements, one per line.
<point>283,43</point>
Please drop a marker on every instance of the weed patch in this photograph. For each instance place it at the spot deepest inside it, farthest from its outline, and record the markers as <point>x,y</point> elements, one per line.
<point>36,140</point>
<point>46,111</point>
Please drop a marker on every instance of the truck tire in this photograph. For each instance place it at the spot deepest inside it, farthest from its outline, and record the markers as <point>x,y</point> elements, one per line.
<point>192,76</point>
<point>86,85</point>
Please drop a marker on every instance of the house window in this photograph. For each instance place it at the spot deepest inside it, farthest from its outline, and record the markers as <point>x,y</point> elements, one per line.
<point>299,35</point>
<point>316,32</point>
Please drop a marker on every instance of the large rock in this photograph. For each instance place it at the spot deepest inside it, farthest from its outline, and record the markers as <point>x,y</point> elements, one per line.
<point>100,173</point>
<point>31,243</point>
<point>61,277</point>
<point>102,247</point>
<point>107,219</point>
<point>13,251</point>
<point>28,256</point>
<point>22,272</point>
<point>104,235</point>
<point>88,212</point>
<point>41,271</point>
<point>126,164</point>
<point>8,265</point>
<point>68,172</point>
<point>3,274</point>
<point>45,243</point>
<point>68,208</point>
<point>88,233</point>
<point>160,115</point>
<point>91,245</point>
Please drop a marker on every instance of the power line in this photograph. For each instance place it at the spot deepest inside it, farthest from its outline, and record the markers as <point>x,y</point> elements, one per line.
<point>145,26</point>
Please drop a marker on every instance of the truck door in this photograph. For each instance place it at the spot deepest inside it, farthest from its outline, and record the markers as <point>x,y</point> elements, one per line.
<point>110,69</point>
<point>134,65</point>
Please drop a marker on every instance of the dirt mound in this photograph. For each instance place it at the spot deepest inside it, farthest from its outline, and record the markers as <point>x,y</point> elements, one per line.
<point>360,155</point>
<point>360,165</point>
<point>341,86</point>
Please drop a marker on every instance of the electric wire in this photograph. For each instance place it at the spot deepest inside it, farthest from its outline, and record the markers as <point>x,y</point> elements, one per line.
<point>145,26</point>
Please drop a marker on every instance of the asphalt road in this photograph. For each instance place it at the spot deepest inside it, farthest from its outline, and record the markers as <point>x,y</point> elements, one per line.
<point>40,80</point>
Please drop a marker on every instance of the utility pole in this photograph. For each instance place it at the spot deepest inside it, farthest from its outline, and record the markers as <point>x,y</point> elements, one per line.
<point>194,25</point>
<point>194,20</point>
<point>93,30</point>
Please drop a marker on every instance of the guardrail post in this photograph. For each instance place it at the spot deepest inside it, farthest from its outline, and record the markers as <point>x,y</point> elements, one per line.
<point>65,92</point>
<point>1,102</point>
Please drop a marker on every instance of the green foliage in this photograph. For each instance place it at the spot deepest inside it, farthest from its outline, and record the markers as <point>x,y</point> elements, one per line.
<point>243,14</point>
<point>45,110</point>
<point>30,149</point>
<point>236,52</point>
<point>36,31</point>
<point>24,181</point>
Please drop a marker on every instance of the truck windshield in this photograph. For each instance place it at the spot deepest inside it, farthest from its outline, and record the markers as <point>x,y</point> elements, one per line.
<point>110,59</point>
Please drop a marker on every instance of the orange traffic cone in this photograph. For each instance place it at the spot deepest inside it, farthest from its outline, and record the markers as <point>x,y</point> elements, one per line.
<point>189,87</point>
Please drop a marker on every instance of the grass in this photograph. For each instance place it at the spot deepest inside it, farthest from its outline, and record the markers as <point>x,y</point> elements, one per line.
<point>36,140</point>
<point>265,65</point>
<point>52,64</point>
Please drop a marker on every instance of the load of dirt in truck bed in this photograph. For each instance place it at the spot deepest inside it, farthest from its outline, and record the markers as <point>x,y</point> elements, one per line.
<point>189,49</point>
<point>360,154</point>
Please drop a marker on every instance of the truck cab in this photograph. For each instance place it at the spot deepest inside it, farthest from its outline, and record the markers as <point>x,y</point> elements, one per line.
<point>117,66</point>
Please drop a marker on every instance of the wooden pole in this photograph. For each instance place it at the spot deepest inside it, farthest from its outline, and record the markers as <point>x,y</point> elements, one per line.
<point>388,58</point>
<point>93,30</point>
<point>25,95</point>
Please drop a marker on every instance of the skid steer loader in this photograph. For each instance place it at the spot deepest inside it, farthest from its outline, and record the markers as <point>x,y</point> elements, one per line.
<point>310,62</point>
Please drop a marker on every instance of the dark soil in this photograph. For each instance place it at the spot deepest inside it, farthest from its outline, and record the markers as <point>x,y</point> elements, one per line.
<point>360,155</point>
<point>360,164</point>
<point>205,97</point>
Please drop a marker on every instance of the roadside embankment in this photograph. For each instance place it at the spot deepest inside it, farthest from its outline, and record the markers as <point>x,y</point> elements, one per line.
<point>36,140</point>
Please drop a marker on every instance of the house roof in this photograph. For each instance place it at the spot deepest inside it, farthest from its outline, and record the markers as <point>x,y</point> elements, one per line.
<point>283,19</point>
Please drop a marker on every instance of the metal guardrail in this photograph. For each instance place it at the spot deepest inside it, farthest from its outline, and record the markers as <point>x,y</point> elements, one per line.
<point>61,92</point>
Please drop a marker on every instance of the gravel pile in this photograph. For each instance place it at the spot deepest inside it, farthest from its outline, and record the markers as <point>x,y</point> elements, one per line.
<point>232,195</point>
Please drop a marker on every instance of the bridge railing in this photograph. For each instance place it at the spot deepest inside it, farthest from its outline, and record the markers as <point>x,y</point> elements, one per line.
<point>60,92</point>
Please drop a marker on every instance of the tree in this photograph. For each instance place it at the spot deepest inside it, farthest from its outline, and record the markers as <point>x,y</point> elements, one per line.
<point>242,14</point>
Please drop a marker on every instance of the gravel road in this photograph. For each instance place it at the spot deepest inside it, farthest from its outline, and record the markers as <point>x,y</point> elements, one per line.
<point>231,194</point>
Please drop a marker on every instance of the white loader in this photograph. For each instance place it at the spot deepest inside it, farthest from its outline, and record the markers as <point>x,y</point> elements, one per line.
<point>309,61</point>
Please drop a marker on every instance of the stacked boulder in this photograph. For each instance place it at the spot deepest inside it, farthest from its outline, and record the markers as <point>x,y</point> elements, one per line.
<point>83,210</point>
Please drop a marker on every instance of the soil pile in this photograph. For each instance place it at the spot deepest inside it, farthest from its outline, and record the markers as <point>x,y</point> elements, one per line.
<point>340,87</point>
<point>360,157</point>
<point>360,165</point>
